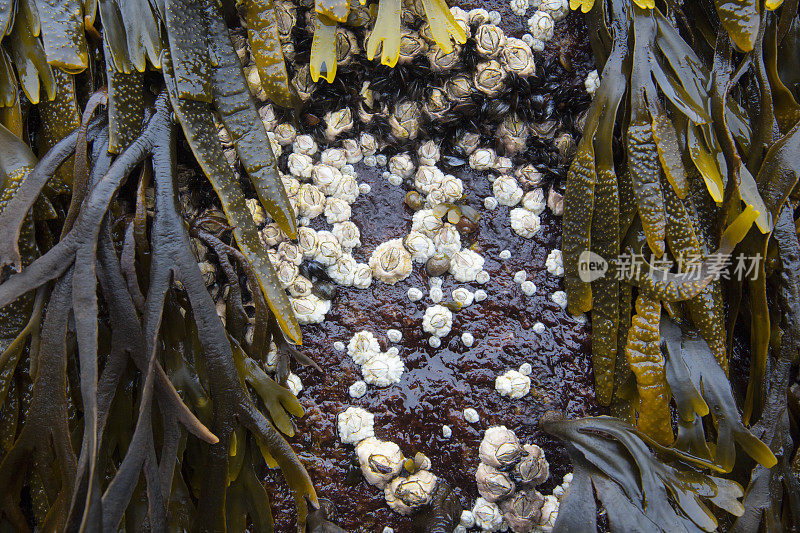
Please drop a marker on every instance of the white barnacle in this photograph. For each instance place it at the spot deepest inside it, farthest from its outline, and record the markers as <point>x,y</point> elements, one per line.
<point>471,415</point>
<point>287,272</point>
<point>489,40</point>
<point>451,189</point>
<point>381,160</point>
<point>256,211</point>
<point>438,320</point>
<point>436,294</point>
<point>463,296</point>
<point>523,510</point>
<point>528,176</point>
<point>493,485</point>
<point>447,240</point>
<point>324,176</point>
<point>478,16</point>
<point>395,503</point>
<point>480,295</point>
<point>355,424</point>
<point>383,369</point>
<point>503,165</point>
<point>343,270</point>
<point>487,515</point>
<point>533,469</point>
<point>560,297</point>
<point>417,489</point>
<point>513,384</point>
<point>277,150</point>
<point>592,82</point>
<point>357,389</point>
<point>447,431</point>
<point>557,9</point>
<point>528,288</point>
<point>505,254</point>
<point>300,286</point>
<point>489,78</point>
<point>429,153</point>
<point>352,151</point>
<point>310,309</point>
<point>380,461</point>
<point>293,383</point>
<point>520,276</point>
<point>420,246</point>
<point>335,157</point>
<point>307,241</point>
<point>467,519</point>
<point>524,223</point>
<point>490,203</point>
<point>311,201</point>
<point>517,57</point>
<point>402,165</point>
<point>468,339</point>
<point>414,294</point>
<point>271,235</point>
<point>304,144</point>
<point>394,335</point>
<point>290,252</point>
<point>507,191</point>
<point>534,201</point>
<point>428,178</point>
<point>519,7</point>
<point>539,328</point>
<point>285,134</point>
<point>500,447</point>
<point>541,25</point>
<point>395,180</point>
<point>549,514</point>
<point>267,115</point>
<point>336,210</point>
<point>483,159</point>
<point>291,184</point>
<point>525,369</point>
<point>555,201</point>
<point>362,347</point>
<point>390,262</point>
<point>465,265</point>
<point>345,188</point>
<point>338,122</point>
<point>362,276</point>
<point>368,143</point>
<point>348,234</point>
<point>434,341</point>
<point>482,277</point>
<point>328,248</point>
<point>555,263</point>
<point>300,165</point>
<point>468,142</point>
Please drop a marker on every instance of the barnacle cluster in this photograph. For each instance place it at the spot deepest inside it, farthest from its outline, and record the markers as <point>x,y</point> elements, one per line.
<point>507,477</point>
<point>407,484</point>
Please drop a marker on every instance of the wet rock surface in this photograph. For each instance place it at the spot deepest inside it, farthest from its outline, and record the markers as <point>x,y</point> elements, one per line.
<point>439,383</point>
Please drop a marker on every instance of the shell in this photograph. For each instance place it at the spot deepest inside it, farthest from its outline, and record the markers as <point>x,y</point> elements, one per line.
<point>390,262</point>
<point>500,447</point>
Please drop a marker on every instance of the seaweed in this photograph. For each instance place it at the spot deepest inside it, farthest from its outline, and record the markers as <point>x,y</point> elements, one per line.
<point>639,491</point>
<point>708,174</point>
